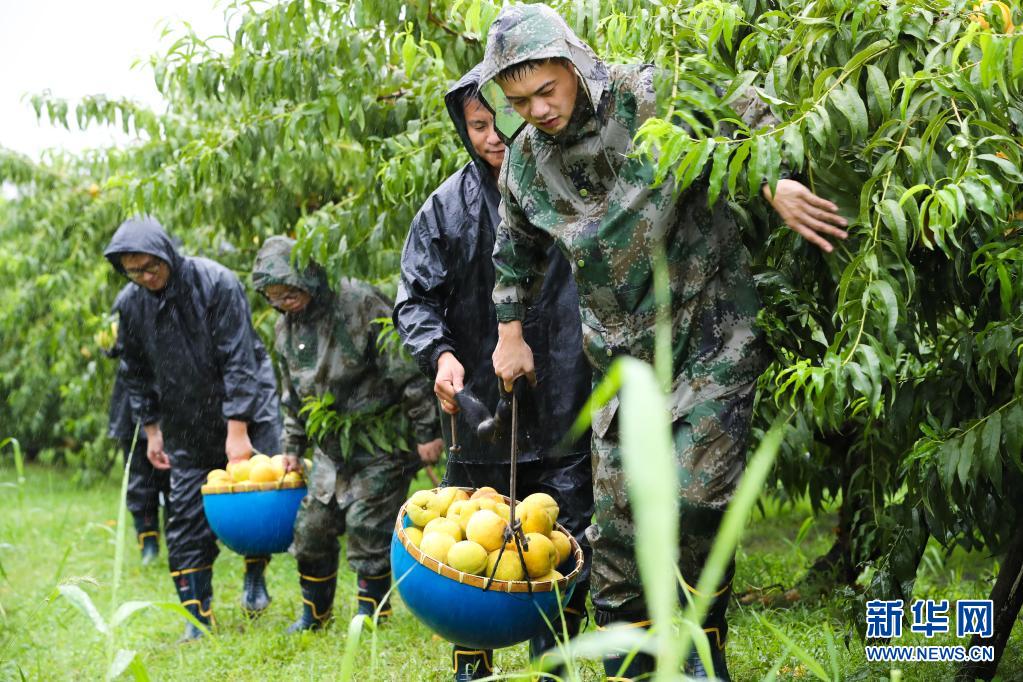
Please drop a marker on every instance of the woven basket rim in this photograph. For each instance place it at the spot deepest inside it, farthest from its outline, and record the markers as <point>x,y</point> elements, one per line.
<point>222,489</point>
<point>480,582</point>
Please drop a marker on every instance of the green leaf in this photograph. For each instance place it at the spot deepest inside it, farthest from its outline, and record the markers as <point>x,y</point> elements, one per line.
<point>990,446</point>
<point>890,303</point>
<point>880,94</point>
<point>848,102</point>
<point>966,454</point>
<point>718,169</point>
<point>1013,429</point>
<point>82,602</point>
<point>895,219</point>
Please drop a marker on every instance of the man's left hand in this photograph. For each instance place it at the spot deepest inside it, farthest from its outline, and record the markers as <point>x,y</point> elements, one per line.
<point>806,213</point>
<point>429,453</point>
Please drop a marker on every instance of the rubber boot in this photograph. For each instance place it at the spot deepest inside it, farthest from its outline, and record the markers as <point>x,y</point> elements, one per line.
<point>255,598</point>
<point>318,586</point>
<point>373,593</point>
<point>472,664</point>
<point>195,590</point>
<point>149,544</point>
<point>642,665</point>
<point>716,627</point>
<point>542,644</point>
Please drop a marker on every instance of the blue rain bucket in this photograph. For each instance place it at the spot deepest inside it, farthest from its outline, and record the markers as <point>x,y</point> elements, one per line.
<point>256,521</point>
<point>462,609</point>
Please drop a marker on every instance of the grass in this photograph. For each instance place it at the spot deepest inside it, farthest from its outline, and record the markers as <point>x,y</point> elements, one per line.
<point>60,533</point>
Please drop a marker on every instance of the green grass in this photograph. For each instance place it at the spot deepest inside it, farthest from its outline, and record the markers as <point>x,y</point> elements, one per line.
<point>60,533</point>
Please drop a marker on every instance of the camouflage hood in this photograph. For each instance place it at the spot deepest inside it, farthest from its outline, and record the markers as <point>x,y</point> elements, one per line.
<point>526,32</point>
<point>273,266</point>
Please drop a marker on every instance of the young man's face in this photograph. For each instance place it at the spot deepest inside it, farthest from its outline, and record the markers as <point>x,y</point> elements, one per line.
<point>287,299</point>
<point>146,270</point>
<point>482,133</point>
<point>544,96</point>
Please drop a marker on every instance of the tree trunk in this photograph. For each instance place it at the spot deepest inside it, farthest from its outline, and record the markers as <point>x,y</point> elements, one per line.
<point>1007,596</point>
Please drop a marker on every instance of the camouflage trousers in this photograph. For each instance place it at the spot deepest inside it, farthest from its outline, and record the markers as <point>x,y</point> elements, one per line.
<point>359,498</point>
<point>710,450</point>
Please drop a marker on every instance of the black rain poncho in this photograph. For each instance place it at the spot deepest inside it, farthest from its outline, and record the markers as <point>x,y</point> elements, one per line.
<point>193,359</point>
<point>448,258</point>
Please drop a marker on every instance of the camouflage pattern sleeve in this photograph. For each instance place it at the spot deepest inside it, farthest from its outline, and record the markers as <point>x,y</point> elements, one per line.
<point>520,259</point>
<point>295,440</point>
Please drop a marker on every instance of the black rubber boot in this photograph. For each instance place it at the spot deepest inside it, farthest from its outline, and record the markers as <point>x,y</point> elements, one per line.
<point>149,544</point>
<point>255,598</point>
<point>195,590</point>
<point>373,593</point>
<point>472,664</point>
<point>541,645</point>
<point>318,587</point>
<point>642,665</point>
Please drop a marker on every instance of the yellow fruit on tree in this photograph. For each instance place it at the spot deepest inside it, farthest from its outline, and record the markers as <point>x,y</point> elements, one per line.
<point>414,535</point>
<point>468,557</point>
<point>262,472</point>
<point>507,568</point>
<point>540,555</point>
<point>443,525</point>
<point>239,470</point>
<point>534,518</point>
<point>546,501</point>
<point>562,544</point>
<point>486,528</point>
<point>436,545</point>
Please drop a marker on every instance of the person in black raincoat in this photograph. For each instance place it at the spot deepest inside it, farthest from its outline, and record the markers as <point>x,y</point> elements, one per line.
<point>446,320</point>
<point>201,383</point>
<point>145,483</point>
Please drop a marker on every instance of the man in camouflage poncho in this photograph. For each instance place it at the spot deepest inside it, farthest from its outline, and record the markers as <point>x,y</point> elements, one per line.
<point>568,179</point>
<point>327,344</point>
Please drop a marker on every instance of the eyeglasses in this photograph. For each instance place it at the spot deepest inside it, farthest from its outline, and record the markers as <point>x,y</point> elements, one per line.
<point>139,273</point>
<point>284,299</point>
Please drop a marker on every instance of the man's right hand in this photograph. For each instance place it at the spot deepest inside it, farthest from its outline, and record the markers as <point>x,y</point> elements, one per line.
<point>450,380</point>
<point>157,457</point>
<point>513,358</point>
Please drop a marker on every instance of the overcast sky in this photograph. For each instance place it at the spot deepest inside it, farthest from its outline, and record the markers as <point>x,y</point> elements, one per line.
<point>75,48</point>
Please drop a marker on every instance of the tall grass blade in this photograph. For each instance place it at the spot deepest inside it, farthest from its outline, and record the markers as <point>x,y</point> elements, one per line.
<point>804,656</point>
<point>652,478</point>
<point>122,515</point>
<point>19,465</point>
<point>82,602</point>
<point>351,648</point>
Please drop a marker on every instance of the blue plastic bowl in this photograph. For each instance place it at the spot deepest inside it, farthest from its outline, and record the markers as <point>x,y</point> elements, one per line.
<point>254,522</point>
<point>459,609</point>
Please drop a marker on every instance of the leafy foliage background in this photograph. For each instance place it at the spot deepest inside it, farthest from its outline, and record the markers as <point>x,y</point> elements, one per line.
<point>897,358</point>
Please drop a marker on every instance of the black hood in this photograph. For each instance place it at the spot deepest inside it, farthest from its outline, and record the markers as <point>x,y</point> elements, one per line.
<point>466,87</point>
<point>142,234</point>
